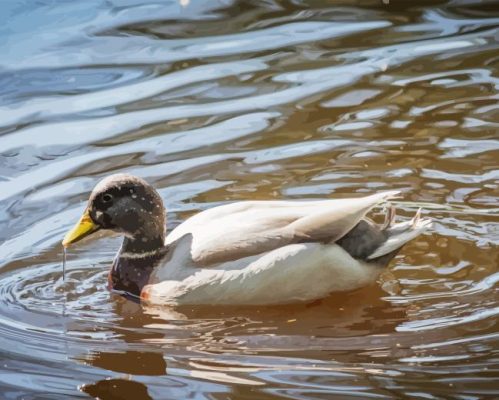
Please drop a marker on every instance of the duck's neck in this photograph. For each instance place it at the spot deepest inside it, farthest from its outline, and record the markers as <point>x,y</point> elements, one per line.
<point>135,262</point>
<point>141,246</point>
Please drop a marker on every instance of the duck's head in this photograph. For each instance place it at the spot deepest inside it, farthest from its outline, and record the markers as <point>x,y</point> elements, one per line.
<point>126,204</point>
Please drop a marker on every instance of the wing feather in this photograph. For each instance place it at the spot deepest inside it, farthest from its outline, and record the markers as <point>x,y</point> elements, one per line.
<point>332,223</point>
<point>242,229</point>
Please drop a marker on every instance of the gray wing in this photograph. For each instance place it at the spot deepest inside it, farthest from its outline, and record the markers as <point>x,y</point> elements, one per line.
<point>242,229</point>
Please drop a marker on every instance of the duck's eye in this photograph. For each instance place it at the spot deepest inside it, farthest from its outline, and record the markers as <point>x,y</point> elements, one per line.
<point>106,198</point>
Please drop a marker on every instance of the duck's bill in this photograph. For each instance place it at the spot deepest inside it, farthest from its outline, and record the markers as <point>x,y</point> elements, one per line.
<point>84,227</point>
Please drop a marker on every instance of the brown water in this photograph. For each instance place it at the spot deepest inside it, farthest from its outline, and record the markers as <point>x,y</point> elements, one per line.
<point>215,101</point>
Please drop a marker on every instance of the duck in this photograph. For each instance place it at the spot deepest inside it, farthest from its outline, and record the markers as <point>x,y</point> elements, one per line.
<point>254,252</point>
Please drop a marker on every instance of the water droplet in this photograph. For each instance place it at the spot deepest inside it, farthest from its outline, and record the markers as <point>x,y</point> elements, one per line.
<point>64,265</point>
<point>65,299</point>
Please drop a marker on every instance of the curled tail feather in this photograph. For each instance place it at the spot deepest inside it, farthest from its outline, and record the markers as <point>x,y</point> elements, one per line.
<point>399,234</point>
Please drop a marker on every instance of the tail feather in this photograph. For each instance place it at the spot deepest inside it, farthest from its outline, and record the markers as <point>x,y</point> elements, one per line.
<point>334,222</point>
<point>401,233</point>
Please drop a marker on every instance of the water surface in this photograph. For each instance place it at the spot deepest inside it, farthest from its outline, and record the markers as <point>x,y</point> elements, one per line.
<point>218,101</point>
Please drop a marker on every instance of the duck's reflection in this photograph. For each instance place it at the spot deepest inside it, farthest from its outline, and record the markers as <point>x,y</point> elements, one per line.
<point>130,362</point>
<point>117,389</point>
<point>339,322</point>
<point>124,359</point>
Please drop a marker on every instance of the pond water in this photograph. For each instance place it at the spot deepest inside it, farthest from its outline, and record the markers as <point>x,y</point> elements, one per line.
<point>217,101</point>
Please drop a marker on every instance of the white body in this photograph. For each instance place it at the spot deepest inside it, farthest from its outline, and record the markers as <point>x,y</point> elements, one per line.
<point>247,253</point>
<point>296,272</point>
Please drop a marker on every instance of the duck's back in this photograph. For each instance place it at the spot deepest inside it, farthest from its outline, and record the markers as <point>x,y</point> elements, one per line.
<point>234,231</point>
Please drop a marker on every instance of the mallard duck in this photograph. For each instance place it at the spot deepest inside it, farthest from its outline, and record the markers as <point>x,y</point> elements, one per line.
<point>246,253</point>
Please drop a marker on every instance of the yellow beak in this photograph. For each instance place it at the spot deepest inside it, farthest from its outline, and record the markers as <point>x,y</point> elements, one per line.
<point>84,227</point>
